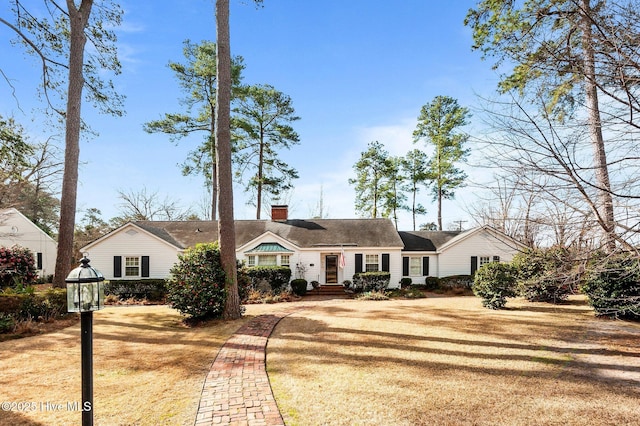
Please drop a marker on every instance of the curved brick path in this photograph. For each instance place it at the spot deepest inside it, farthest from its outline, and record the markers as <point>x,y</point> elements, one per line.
<point>237,390</point>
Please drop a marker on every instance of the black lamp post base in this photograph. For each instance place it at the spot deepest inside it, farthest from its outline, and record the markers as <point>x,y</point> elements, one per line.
<point>86,331</point>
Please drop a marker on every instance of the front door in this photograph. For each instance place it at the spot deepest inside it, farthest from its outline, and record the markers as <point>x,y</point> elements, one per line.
<point>331,269</point>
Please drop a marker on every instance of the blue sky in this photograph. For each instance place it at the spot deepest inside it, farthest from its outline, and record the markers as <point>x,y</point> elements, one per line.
<point>357,71</point>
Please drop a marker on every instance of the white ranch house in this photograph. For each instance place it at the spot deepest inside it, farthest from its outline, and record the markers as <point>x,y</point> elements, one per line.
<point>325,250</point>
<point>16,229</point>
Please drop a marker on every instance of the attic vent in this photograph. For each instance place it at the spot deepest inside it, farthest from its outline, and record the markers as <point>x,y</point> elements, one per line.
<point>131,232</point>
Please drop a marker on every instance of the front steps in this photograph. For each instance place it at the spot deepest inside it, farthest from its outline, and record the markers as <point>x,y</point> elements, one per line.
<point>327,290</point>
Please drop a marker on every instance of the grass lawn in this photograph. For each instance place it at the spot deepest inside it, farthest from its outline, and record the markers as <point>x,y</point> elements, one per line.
<point>148,369</point>
<point>441,360</point>
<point>448,361</point>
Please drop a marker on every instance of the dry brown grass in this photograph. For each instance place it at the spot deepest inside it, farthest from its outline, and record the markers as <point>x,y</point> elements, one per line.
<point>148,368</point>
<point>440,361</point>
<point>448,361</point>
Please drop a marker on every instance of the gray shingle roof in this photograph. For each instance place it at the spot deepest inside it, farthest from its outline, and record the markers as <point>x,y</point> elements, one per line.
<point>426,240</point>
<point>303,233</point>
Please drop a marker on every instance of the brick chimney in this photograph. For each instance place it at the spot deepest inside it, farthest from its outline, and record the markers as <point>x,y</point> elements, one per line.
<point>279,213</point>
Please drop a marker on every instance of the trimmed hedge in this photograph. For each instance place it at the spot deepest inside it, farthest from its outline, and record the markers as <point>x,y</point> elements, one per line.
<point>371,281</point>
<point>34,305</point>
<point>456,281</point>
<point>150,289</point>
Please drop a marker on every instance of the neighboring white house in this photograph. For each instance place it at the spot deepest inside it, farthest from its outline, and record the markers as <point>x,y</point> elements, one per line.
<point>325,250</point>
<point>16,229</point>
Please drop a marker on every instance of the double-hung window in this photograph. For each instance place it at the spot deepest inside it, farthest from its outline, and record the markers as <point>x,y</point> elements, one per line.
<point>484,260</point>
<point>415,266</point>
<point>371,263</point>
<point>131,266</point>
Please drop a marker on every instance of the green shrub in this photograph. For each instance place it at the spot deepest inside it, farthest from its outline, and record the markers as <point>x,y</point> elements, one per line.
<point>29,304</point>
<point>405,282</point>
<point>197,286</point>
<point>371,281</point>
<point>149,289</point>
<point>455,281</point>
<point>17,267</point>
<point>612,286</point>
<point>299,286</point>
<point>373,295</point>
<point>431,283</point>
<point>244,283</point>
<point>269,278</point>
<point>7,323</point>
<point>545,275</point>
<point>413,292</point>
<point>494,282</point>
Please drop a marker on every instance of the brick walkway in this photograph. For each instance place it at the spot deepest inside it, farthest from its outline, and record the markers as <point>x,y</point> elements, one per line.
<point>237,390</point>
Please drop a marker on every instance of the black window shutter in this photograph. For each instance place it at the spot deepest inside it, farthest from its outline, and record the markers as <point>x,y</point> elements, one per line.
<point>38,260</point>
<point>358,262</point>
<point>405,266</point>
<point>117,266</point>
<point>145,266</point>
<point>425,266</point>
<point>385,262</point>
<point>474,264</point>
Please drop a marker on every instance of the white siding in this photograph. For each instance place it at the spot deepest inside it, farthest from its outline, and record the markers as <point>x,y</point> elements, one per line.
<point>433,265</point>
<point>16,229</point>
<point>162,256</point>
<point>314,263</point>
<point>395,263</point>
<point>456,259</point>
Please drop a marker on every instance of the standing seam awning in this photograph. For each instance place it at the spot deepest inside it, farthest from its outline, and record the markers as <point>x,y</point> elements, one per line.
<point>269,248</point>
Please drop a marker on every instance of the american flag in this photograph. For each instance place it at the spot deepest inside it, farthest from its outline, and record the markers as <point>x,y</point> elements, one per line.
<point>343,261</point>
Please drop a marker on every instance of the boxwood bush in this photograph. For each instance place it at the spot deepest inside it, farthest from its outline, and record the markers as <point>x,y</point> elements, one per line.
<point>299,286</point>
<point>494,282</point>
<point>612,285</point>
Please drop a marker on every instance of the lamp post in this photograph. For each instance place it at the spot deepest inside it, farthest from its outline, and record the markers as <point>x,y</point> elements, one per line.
<point>85,294</point>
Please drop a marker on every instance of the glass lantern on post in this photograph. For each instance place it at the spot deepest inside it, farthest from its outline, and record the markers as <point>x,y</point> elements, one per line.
<point>85,291</point>
<point>85,294</point>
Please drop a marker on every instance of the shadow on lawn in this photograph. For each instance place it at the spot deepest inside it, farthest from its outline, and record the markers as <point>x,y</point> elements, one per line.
<point>14,418</point>
<point>574,363</point>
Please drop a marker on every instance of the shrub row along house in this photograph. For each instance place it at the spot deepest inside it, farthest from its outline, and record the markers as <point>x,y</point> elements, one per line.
<point>325,250</point>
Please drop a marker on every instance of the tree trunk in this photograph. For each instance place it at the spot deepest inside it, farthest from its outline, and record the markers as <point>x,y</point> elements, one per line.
<point>78,19</point>
<point>440,208</point>
<point>260,175</point>
<point>226,225</point>
<point>214,168</point>
<point>605,212</point>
